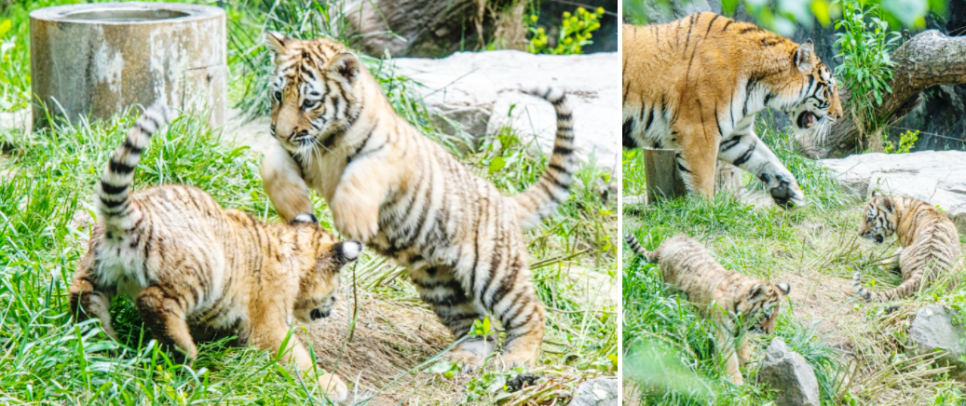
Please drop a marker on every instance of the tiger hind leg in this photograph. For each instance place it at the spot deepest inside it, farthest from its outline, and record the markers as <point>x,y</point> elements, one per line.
<point>438,287</point>
<point>166,320</point>
<point>86,300</point>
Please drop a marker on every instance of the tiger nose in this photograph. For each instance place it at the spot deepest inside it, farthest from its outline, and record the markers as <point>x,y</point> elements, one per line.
<point>296,134</point>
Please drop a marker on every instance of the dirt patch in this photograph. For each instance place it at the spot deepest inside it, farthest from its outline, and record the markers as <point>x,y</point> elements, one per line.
<point>390,338</point>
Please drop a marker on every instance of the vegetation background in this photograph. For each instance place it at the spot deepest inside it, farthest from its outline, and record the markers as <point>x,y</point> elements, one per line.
<point>47,179</point>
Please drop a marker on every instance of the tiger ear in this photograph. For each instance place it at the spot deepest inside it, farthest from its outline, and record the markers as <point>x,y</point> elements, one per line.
<point>756,291</point>
<point>277,42</point>
<point>347,251</point>
<point>346,65</point>
<point>887,203</point>
<point>785,288</point>
<point>804,57</point>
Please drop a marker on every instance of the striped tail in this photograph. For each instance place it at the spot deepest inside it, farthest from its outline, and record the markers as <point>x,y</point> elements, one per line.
<point>638,249</point>
<point>906,288</point>
<point>540,200</point>
<point>114,190</point>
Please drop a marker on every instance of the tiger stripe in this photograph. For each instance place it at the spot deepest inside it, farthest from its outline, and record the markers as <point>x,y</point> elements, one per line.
<point>406,197</point>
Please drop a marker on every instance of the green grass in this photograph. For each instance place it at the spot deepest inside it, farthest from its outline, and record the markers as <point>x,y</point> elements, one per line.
<point>815,248</point>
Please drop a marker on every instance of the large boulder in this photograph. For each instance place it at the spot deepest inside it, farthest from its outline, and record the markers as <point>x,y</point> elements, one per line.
<point>937,177</point>
<point>789,374</point>
<point>481,92</point>
<point>934,329</point>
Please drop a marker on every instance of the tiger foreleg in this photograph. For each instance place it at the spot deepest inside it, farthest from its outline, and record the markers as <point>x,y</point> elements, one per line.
<point>892,262</point>
<point>283,182</point>
<point>356,201</point>
<point>747,152</point>
<point>271,334</point>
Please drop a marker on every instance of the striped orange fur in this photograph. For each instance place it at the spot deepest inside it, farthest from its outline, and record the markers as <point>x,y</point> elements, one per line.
<point>194,267</point>
<point>696,84</point>
<point>405,196</point>
<point>930,242</point>
<point>722,295</point>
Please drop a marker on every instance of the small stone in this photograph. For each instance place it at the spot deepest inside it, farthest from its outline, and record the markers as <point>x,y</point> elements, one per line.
<point>596,392</point>
<point>933,330</point>
<point>789,374</point>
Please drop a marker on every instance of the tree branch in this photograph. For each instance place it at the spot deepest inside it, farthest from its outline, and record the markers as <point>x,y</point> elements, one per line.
<point>928,59</point>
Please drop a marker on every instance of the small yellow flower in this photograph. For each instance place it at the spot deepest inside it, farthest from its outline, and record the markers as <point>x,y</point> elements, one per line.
<point>567,40</point>
<point>566,14</point>
<point>533,18</point>
<point>600,10</point>
<point>541,31</point>
<point>581,10</point>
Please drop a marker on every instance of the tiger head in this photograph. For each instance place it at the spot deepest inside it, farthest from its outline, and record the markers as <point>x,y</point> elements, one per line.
<point>320,258</point>
<point>315,91</point>
<point>879,218</point>
<point>761,304</point>
<point>816,102</point>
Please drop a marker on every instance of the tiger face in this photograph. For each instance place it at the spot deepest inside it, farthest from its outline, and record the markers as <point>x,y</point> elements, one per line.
<point>313,92</point>
<point>322,258</point>
<point>820,105</point>
<point>878,218</point>
<point>760,306</point>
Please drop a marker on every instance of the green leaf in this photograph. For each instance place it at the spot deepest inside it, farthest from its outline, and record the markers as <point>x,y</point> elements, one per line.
<point>496,164</point>
<point>440,367</point>
<point>5,27</point>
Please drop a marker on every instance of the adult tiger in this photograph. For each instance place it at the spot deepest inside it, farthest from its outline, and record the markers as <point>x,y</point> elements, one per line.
<point>695,85</point>
<point>402,194</point>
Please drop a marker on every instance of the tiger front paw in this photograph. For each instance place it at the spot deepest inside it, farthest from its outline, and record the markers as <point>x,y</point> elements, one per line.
<point>335,389</point>
<point>355,221</point>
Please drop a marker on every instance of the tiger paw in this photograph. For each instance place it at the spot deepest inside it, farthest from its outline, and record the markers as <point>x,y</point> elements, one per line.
<point>471,354</point>
<point>334,388</point>
<point>355,222</point>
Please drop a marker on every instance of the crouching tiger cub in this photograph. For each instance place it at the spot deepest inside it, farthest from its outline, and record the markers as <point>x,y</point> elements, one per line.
<point>722,295</point>
<point>402,194</point>
<point>194,267</point>
<point>695,85</point>
<point>930,242</point>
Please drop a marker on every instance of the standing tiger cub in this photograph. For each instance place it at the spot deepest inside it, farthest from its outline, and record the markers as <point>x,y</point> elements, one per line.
<point>193,266</point>
<point>402,194</point>
<point>694,85</point>
<point>719,294</point>
<point>930,242</point>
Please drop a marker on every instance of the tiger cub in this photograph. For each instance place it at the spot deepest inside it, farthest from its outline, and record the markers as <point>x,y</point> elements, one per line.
<point>930,242</point>
<point>695,85</point>
<point>195,267</point>
<point>718,293</point>
<point>402,194</point>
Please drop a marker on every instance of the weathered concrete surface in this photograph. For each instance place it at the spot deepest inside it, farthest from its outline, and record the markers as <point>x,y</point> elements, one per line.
<point>98,59</point>
<point>937,177</point>
<point>481,91</point>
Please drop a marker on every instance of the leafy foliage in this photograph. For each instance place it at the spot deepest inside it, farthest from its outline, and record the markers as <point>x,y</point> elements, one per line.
<point>906,141</point>
<point>575,31</point>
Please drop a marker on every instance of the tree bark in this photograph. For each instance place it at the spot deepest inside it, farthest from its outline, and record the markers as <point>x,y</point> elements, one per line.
<point>928,59</point>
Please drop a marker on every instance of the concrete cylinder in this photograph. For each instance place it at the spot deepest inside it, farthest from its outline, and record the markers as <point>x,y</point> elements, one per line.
<point>96,60</point>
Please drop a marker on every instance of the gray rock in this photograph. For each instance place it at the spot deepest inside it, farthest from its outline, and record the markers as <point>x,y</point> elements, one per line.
<point>596,392</point>
<point>481,92</point>
<point>788,373</point>
<point>937,177</point>
<point>933,329</point>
